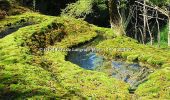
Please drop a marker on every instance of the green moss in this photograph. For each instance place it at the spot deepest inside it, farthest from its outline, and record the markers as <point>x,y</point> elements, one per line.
<point>86,83</point>
<point>46,74</point>
<point>166,65</point>
<point>21,81</point>
<point>107,33</point>
<point>27,72</point>
<point>132,58</point>
<point>132,51</point>
<point>156,87</point>
<point>156,61</point>
<point>144,58</point>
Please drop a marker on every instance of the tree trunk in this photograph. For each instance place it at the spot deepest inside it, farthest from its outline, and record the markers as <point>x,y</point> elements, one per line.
<point>169,31</point>
<point>150,33</point>
<point>34,4</point>
<point>136,22</point>
<point>159,33</point>
<point>115,18</point>
<point>144,21</point>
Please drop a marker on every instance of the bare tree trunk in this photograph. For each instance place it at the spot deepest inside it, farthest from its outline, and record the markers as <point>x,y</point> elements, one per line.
<point>150,33</point>
<point>169,31</point>
<point>159,35</point>
<point>115,18</point>
<point>34,4</point>
<point>142,37</point>
<point>136,21</point>
<point>144,21</point>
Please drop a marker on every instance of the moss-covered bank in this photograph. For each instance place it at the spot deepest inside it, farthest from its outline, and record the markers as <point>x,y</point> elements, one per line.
<point>27,70</point>
<point>157,84</point>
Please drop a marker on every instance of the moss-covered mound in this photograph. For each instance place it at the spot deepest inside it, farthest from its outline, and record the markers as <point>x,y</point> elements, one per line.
<point>11,7</point>
<point>157,84</point>
<point>29,71</point>
<point>33,65</point>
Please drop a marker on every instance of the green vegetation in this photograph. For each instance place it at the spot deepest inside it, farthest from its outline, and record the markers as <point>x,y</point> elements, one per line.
<point>157,84</point>
<point>56,77</point>
<point>164,39</point>
<point>131,50</point>
<point>82,8</point>
<point>32,65</point>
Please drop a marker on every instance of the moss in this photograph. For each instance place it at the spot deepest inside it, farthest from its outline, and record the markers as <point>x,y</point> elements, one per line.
<point>132,58</point>
<point>156,87</point>
<point>157,84</point>
<point>20,81</point>
<point>107,33</point>
<point>156,61</point>
<point>12,50</point>
<point>166,65</point>
<point>144,58</point>
<point>28,72</point>
<point>23,79</point>
<point>87,83</point>
<point>132,51</point>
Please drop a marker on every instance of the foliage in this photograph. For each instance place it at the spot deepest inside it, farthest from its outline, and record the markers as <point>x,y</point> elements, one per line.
<point>164,39</point>
<point>83,7</point>
<point>160,2</point>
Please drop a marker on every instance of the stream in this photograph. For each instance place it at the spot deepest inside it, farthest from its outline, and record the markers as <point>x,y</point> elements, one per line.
<point>131,73</point>
<point>12,29</point>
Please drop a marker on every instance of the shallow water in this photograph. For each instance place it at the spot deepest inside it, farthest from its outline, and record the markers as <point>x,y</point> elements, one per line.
<point>85,60</point>
<point>12,29</point>
<point>133,73</point>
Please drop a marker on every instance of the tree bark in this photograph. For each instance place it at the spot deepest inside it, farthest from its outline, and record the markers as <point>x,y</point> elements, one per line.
<point>144,21</point>
<point>169,30</point>
<point>34,4</point>
<point>115,18</point>
<point>136,22</point>
<point>159,34</point>
<point>150,33</point>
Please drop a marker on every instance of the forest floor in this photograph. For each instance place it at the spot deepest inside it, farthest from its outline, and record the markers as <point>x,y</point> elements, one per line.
<point>27,70</point>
